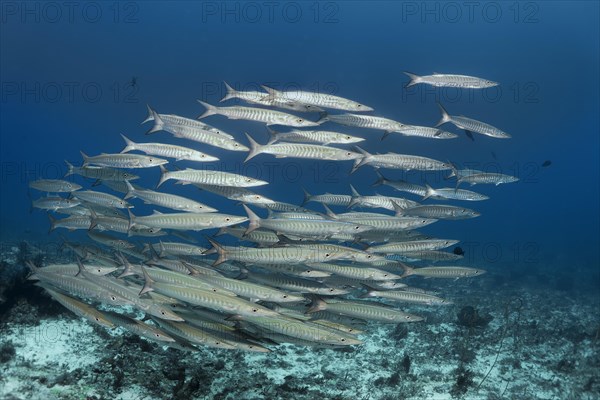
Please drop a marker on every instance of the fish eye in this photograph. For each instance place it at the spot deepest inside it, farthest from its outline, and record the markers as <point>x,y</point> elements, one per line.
<point>347,137</point>
<point>227,219</point>
<point>254,310</point>
<point>407,317</point>
<point>357,227</point>
<point>348,154</point>
<point>97,319</point>
<point>327,255</point>
<point>248,180</point>
<point>285,296</point>
<point>300,120</point>
<point>343,340</point>
<point>203,156</point>
<point>162,313</point>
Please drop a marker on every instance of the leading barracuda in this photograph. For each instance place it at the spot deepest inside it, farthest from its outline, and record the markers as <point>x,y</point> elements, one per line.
<point>471,125</point>
<point>300,150</point>
<point>450,80</point>
<point>317,99</point>
<point>269,117</point>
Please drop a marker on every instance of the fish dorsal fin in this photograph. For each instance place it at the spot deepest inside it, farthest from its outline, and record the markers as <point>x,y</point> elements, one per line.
<point>156,212</point>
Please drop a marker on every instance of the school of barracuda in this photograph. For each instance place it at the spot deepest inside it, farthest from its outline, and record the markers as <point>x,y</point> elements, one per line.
<point>297,275</point>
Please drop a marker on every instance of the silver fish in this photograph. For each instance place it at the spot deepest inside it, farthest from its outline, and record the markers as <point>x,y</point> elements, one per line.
<point>54,186</point>
<point>449,80</point>
<point>471,125</point>
<point>316,99</point>
<point>167,150</point>
<point>300,150</point>
<point>269,117</point>
<point>122,160</point>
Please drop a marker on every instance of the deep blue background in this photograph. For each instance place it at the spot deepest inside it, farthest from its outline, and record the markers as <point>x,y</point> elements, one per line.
<point>544,54</point>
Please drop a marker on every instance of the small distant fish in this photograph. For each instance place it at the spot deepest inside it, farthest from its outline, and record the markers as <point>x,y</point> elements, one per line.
<point>458,251</point>
<point>546,163</point>
<point>449,80</point>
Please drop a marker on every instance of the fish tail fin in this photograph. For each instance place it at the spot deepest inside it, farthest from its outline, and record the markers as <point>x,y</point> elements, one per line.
<point>220,251</point>
<point>210,109</point>
<point>328,211</point>
<point>150,115</point>
<point>271,93</point>
<point>318,304</point>
<point>159,123</point>
<point>414,79</point>
<point>307,197</point>
<point>147,282</point>
<point>397,209</point>
<point>131,223</point>
<point>254,220</point>
<point>222,231</point>
<point>255,148</point>
<point>130,191</point>
<point>164,175</point>
<point>273,136</point>
<point>129,144</point>
<point>445,117</point>
<point>93,220</point>
<point>380,179</point>
<point>86,158</point>
<point>230,94</point>
<point>370,291</point>
<point>323,117</point>
<point>70,169</point>
<point>454,172</point>
<point>52,220</point>
<point>408,271</point>
<point>82,269</point>
<point>355,197</point>
<point>429,191</point>
<point>359,162</point>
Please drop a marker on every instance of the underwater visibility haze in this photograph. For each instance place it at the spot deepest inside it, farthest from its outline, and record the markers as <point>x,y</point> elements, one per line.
<point>299,200</point>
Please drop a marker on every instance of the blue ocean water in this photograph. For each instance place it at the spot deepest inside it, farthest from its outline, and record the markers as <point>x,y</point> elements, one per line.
<point>75,76</point>
<point>66,74</point>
